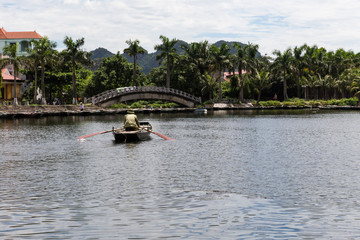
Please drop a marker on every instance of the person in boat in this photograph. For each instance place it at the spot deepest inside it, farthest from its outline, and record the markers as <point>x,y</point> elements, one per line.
<point>131,122</point>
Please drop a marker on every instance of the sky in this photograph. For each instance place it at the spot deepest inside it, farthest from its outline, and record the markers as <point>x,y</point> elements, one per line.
<point>272,24</point>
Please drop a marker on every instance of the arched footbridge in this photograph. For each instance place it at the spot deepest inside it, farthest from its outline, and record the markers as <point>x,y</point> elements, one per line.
<point>123,94</point>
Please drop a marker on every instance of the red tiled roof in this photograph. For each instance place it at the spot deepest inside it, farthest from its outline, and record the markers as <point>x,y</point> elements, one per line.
<point>228,75</point>
<point>18,35</point>
<point>6,76</point>
<point>2,33</point>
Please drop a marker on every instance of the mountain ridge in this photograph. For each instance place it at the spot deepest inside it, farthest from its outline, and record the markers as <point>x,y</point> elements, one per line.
<point>148,60</point>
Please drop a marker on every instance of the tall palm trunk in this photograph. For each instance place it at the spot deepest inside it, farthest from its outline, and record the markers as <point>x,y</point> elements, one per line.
<point>285,86</point>
<point>259,96</point>
<point>35,85</point>
<point>168,74</point>
<point>43,99</point>
<point>220,90</point>
<point>15,98</point>
<point>241,85</point>
<point>74,82</point>
<point>241,90</point>
<point>298,87</point>
<point>134,71</point>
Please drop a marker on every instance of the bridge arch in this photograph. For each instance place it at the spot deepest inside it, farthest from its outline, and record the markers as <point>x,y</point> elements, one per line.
<point>124,94</point>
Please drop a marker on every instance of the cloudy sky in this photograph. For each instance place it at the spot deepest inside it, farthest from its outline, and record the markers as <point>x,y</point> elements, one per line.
<point>272,24</point>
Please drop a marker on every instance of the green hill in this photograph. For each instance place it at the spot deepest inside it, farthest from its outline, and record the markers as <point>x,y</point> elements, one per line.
<point>146,61</point>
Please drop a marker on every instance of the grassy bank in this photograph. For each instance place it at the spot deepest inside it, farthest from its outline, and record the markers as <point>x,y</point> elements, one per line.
<point>296,102</point>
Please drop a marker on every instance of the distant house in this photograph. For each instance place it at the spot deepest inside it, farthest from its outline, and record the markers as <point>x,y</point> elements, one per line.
<point>23,40</point>
<point>227,75</point>
<point>8,85</point>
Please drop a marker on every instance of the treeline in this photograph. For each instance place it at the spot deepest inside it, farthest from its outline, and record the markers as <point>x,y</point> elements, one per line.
<point>307,72</point>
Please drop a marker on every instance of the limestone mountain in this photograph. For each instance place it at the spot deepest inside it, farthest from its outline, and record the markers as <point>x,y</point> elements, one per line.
<point>148,60</point>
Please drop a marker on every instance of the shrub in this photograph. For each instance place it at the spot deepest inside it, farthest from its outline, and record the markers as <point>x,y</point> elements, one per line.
<point>171,105</point>
<point>315,103</point>
<point>351,101</point>
<point>332,102</point>
<point>343,102</point>
<point>119,105</point>
<point>136,105</point>
<point>156,105</point>
<point>270,103</point>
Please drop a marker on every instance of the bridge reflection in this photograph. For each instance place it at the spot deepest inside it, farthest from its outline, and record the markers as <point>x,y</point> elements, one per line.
<point>124,94</point>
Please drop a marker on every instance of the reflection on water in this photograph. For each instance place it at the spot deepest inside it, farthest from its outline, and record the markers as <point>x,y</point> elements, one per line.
<point>228,175</point>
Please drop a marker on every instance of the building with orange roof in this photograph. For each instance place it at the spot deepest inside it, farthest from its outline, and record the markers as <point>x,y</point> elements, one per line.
<point>22,39</point>
<point>8,85</point>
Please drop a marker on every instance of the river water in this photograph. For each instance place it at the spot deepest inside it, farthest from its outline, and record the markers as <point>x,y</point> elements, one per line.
<point>226,175</point>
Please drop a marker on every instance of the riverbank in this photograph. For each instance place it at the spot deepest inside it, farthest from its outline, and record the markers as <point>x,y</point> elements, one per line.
<point>71,110</point>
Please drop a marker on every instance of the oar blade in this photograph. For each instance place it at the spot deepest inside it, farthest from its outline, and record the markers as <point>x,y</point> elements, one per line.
<point>93,134</point>
<point>161,135</point>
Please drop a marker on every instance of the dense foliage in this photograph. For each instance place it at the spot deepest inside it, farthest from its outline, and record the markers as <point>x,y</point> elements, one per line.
<point>302,72</point>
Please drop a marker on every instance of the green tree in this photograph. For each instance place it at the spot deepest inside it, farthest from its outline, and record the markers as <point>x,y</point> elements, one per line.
<point>114,72</point>
<point>219,61</point>
<point>282,66</point>
<point>133,50</point>
<point>76,56</point>
<point>194,65</point>
<point>168,52</point>
<point>45,50</point>
<point>32,62</point>
<point>241,61</point>
<point>209,85</point>
<point>298,69</point>
<point>199,55</point>
<point>261,81</point>
<point>14,60</point>
<point>354,74</point>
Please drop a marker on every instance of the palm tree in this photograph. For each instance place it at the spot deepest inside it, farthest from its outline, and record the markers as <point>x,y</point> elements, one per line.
<point>11,51</point>
<point>252,61</point>
<point>32,62</point>
<point>241,60</point>
<point>44,48</point>
<point>75,55</point>
<point>261,81</point>
<point>298,67</point>
<point>209,85</point>
<point>219,59</point>
<point>354,74</point>
<point>281,66</point>
<point>198,54</point>
<point>168,52</point>
<point>133,50</point>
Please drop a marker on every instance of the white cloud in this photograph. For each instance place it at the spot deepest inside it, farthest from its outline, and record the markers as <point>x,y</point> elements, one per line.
<point>109,23</point>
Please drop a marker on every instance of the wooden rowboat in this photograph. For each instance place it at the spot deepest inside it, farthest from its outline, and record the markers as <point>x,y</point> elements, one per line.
<point>142,134</point>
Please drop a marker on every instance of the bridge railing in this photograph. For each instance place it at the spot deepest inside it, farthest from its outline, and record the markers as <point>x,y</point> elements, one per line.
<point>104,96</point>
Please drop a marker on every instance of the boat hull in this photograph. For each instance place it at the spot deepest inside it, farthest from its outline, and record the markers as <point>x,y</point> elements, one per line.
<point>142,134</point>
<point>131,136</point>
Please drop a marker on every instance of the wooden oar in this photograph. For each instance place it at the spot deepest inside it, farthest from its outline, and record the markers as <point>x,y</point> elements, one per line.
<point>93,134</point>
<point>159,134</point>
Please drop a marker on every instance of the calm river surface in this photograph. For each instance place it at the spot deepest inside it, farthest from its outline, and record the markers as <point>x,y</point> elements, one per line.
<point>227,175</point>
